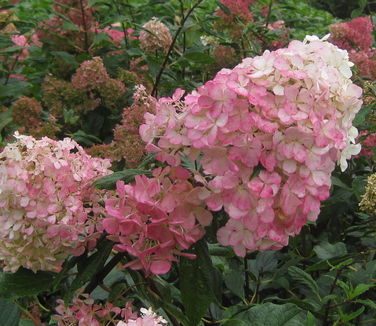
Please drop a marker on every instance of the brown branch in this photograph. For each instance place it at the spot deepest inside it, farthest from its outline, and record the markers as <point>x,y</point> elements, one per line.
<point>158,78</point>
<point>84,26</point>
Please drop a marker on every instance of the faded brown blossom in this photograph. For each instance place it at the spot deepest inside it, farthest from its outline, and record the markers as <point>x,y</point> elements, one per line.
<point>155,37</point>
<point>26,113</point>
<point>91,87</point>
<point>127,143</point>
<point>60,95</point>
<point>225,56</point>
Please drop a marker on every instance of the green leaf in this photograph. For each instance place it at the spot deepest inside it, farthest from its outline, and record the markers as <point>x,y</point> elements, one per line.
<point>234,281</point>
<point>234,322</point>
<point>304,278</point>
<point>9,313</point>
<point>11,50</point>
<point>81,136</point>
<point>311,320</point>
<point>198,57</point>
<point>26,322</point>
<point>353,315</point>
<point>24,283</point>
<point>272,314</point>
<point>69,26</point>
<point>66,57</point>
<point>14,88</point>
<point>360,289</point>
<point>196,283</point>
<point>358,185</point>
<point>361,117</point>
<point>337,182</point>
<point>90,266</point>
<point>367,302</point>
<point>326,250</point>
<point>265,261</point>
<point>109,181</point>
<point>5,119</point>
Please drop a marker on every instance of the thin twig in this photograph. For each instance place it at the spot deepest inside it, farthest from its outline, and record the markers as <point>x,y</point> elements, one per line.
<point>327,307</point>
<point>124,31</point>
<point>99,277</point>
<point>157,80</point>
<point>269,13</point>
<point>84,26</point>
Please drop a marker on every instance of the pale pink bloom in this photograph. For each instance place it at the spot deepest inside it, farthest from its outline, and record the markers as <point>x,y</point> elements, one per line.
<point>155,218</point>
<point>21,40</point>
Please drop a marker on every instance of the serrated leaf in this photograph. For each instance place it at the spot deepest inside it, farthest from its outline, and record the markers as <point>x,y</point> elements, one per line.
<point>367,302</point>
<point>14,88</point>
<point>353,315</point>
<point>304,278</point>
<point>360,289</point>
<point>9,313</point>
<point>24,283</point>
<point>109,181</point>
<point>272,314</point>
<point>326,250</point>
<point>69,26</point>
<point>196,283</point>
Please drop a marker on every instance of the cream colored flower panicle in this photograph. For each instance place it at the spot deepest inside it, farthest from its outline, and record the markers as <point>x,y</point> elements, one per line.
<point>368,203</point>
<point>48,209</point>
<point>155,37</point>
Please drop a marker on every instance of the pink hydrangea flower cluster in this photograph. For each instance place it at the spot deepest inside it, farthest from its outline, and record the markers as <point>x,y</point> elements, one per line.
<point>155,218</point>
<point>117,35</point>
<point>21,40</point>
<point>368,144</point>
<point>84,312</point>
<point>238,8</point>
<point>48,209</point>
<point>354,34</point>
<point>267,135</point>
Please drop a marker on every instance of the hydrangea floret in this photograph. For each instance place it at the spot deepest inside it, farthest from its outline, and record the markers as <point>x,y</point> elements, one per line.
<point>83,311</point>
<point>156,218</point>
<point>267,135</point>
<point>48,209</point>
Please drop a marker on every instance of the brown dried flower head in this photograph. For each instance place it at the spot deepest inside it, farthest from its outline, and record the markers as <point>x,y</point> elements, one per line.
<point>155,37</point>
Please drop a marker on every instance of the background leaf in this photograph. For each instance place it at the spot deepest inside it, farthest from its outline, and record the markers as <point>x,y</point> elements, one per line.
<point>9,313</point>
<point>24,283</point>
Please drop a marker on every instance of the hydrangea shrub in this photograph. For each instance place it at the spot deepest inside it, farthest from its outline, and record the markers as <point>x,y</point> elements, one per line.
<point>268,134</point>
